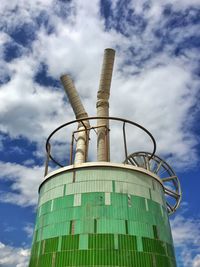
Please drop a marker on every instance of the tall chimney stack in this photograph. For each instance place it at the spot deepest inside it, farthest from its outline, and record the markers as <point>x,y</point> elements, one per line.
<point>80,113</point>
<point>103,141</point>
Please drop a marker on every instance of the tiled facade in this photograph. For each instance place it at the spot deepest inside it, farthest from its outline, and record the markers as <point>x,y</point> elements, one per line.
<point>102,216</point>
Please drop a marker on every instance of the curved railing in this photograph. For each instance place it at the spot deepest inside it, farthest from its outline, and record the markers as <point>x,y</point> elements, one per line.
<point>122,126</point>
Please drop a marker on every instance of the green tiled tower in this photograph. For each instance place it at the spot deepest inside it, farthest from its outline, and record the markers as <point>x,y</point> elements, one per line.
<point>101,213</point>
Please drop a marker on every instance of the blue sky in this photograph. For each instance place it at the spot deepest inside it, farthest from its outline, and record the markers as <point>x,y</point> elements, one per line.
<point>155,83</point>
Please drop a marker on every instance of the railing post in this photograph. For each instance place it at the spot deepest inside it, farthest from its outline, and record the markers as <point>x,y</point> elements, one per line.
<point>47,159</point>
<point>125,146</point>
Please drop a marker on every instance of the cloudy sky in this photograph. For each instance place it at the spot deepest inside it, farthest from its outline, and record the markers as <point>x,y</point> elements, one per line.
<point>155,83</point>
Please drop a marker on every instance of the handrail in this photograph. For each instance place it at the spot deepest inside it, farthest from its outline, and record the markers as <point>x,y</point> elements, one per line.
<point>124,121</point>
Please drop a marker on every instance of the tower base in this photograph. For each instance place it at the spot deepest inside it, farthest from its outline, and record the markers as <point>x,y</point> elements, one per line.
<point>102,214</point>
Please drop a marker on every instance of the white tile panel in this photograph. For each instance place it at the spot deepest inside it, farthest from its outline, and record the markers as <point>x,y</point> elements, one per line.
<point>121,187</point>
<point>138,178</point>
<point>52,202</point>
<point>51,194</point>
<point>156,186</point>
<point>129,201</point>
<point>146,205</point>
<point>139,191</point>
<point>114,174</point>
<point>132,189</point>
<point>77,200</point>
<point>63,178</point>
<point>155,196</point>
<point>161,209</point>
<point>89,186</point>
<point>93,174</point>
<point>107,199</point>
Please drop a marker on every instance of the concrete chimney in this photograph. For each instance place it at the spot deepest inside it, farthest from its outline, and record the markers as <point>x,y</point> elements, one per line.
<point>103,142</point>
<point>80,113</point>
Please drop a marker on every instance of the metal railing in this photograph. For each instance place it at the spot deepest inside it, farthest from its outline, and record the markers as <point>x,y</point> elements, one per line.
<point>93,126</point>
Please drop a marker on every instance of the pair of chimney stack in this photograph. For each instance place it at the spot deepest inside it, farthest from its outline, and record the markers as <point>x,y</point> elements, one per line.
<point>102,105</point>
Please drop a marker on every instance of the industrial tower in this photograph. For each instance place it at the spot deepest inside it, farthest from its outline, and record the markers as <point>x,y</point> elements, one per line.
<point>98,212</point>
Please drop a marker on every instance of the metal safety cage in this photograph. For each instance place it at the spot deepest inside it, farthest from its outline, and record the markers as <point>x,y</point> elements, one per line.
<point>93,125</point>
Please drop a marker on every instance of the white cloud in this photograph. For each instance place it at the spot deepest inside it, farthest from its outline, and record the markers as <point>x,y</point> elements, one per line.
<point>186,235</point>
<point>185,231</point>
<point>29,229</point>
<point>19,12</point>
<point>1,143</point>
<point>13,256</point>
<point>196,261</point>
<point>29,162</point>
<point>25,182</point>
<point>161,102</point>
<point>155,7</point>
<point>27,108</point>
<point>181,4</point>
<point>160,95</point>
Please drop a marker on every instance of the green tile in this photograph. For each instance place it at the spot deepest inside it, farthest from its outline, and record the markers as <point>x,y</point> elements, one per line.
<point>83,241</point>
<point>70,242</point>
<point>101,241</point>
<point>139,243</point>
<point>51,245</point>
<point>111,226</point>
<point>46,207</point>
<point>127,242</point>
